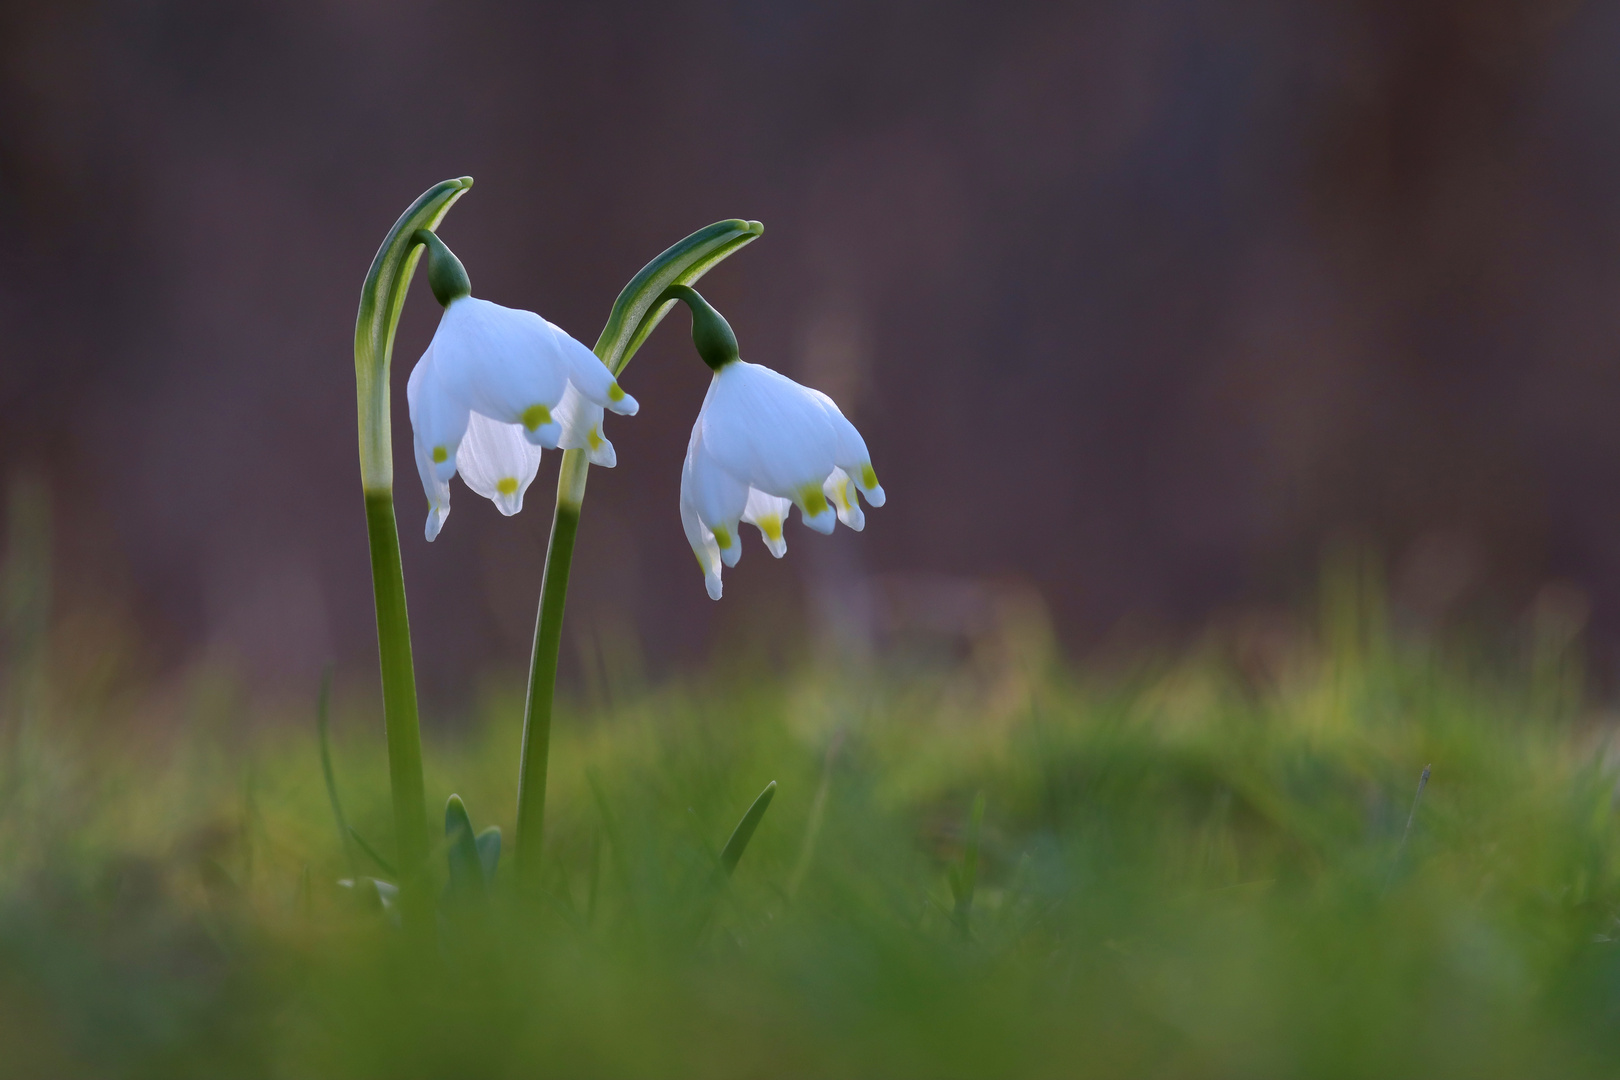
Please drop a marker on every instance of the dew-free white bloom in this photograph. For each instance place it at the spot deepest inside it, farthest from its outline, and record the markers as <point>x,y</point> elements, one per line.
<point>495,387</point>
<point>763,444</point>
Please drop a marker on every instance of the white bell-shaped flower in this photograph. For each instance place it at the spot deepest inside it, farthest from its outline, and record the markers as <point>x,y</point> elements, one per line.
<point>495,386</point>
<point>761,445</point>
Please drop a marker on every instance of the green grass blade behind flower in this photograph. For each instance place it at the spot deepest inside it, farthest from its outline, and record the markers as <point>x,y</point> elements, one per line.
<point>382,297</point>
<point>637,311</point>
<point>373,854</point>
<point>965,878</point>
<point>322,727</point>
<point>744,832</point>
<point>634,315</point>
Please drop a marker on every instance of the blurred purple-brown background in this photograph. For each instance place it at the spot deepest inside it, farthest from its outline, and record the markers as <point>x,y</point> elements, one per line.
<point>1143,305</point>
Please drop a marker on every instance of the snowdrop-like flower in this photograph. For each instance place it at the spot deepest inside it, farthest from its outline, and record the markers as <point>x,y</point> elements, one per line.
<point>495,387</point>
<point>763,444</point>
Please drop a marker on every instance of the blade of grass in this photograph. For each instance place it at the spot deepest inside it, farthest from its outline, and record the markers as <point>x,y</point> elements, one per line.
<point>1406,834</point>
<point>371,853</point>
<point>744,832</point>
<point>818,813</point>
<point>965,879</point>
<point>323,705</point>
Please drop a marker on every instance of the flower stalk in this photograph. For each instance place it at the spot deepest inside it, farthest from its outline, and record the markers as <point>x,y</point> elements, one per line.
<point>641,305</point>
<point>382,298</point>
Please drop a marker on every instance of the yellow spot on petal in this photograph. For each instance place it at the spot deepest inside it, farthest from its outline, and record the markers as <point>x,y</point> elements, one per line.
<point>614,393</point>
<point>440,455</point>
<point>814,500</point>
<point>771,526</point>
<point>868,477</point>
<point>722,538</point>
<point>536,415</point>
<point>594,439</point>
<point>507,485</point>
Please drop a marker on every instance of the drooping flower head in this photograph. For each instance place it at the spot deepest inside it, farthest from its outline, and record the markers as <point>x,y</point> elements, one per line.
<point>761,445</point>
<point>495,387</point>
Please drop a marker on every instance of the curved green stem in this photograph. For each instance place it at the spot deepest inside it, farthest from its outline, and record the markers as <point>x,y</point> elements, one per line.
<point>640,307</point>
<point>381,300</point>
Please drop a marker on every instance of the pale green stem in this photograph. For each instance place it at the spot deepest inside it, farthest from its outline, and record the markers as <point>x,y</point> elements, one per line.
<point>382,297</point>
<point>399,708</point>
<point>639,308</point>
<point>543,665</point>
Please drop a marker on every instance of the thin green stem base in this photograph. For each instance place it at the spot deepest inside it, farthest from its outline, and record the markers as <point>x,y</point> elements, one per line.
<point>399,709</point>
<point>543,672</point>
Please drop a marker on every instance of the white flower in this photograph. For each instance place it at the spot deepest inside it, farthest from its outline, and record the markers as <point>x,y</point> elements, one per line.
<point>761,445</point>
<point>495,386</point>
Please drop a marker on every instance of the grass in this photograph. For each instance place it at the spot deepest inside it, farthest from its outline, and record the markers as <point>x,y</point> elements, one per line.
<point>1192,867</point>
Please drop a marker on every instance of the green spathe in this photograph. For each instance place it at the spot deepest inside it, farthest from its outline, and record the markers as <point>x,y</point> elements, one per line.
<point>642,305</point>
<point>382,297</point>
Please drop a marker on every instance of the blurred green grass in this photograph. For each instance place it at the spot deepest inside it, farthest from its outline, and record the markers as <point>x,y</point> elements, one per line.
<point>1190,866</point>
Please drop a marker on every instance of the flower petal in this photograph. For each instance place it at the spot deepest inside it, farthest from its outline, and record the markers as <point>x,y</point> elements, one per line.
<point>850,453</point>
<point>498,462</point>
<point>504,363</point>
<point>590,376</point>
<point>840,491</point>
<point>717,497</point>
<point>581,422</point>
<point>438,417</point>
<point>769,431</point>
<point>703,546</point>
<point>768,514</point>
<point>816,512</point>
<point>438,493</point>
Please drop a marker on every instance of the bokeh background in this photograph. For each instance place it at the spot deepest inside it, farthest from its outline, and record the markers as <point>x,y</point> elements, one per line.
<point>1142,307</point>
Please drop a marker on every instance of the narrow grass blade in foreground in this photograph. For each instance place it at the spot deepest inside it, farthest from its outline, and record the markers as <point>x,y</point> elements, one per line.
<point>322,726</point>
<point>744,832</point>
<point>965,878</point>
